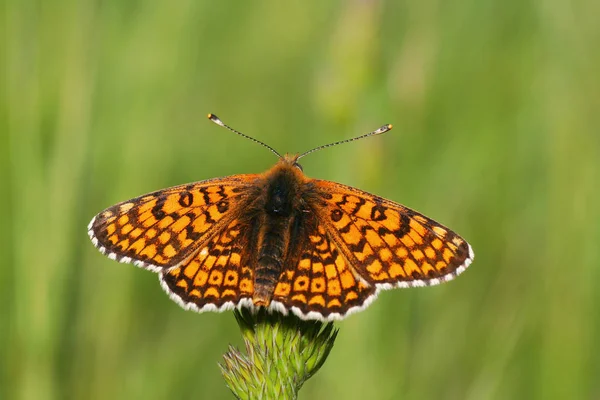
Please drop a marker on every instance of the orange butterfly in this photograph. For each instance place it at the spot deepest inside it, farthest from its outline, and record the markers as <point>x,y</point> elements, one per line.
<point>278,240</point>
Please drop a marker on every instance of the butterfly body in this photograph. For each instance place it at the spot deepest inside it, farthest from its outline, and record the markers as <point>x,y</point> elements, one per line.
<point>279,240</point>
<point>275,216</point>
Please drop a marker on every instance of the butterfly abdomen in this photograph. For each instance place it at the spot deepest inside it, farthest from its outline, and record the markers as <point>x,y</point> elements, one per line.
<point>273,244</point>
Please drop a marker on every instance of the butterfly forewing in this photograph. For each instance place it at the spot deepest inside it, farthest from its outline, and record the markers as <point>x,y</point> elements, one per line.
<point>388,244</point>
<point>162,229</point>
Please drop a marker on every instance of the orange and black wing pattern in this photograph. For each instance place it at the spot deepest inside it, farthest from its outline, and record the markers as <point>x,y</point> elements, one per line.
<point>165,229</point>
<point>335,250</point>
<point>217,277</point>
<point>321,284</point>
<point>363,244</point>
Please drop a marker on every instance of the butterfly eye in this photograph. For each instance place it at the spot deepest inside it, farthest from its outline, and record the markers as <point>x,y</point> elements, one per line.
<point>298,166</point>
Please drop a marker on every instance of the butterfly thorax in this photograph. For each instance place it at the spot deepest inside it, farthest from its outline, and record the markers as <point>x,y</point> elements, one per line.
<point>279,217</point>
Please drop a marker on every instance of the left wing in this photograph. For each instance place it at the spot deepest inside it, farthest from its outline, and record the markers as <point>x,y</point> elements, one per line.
<point>160,230</point>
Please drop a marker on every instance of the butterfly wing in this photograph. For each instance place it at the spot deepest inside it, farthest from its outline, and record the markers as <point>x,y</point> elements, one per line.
<point>217,277</point>
<point>361,244</point>
<point>320,284</point>
<point>388,244</point>
<point>163,229</point>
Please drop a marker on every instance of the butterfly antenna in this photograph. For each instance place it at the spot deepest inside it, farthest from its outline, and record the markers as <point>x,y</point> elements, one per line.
<point>217,121</point>
<point>379,131</point>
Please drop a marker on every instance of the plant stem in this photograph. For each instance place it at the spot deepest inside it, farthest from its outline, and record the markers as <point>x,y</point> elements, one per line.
<point>282,353</point>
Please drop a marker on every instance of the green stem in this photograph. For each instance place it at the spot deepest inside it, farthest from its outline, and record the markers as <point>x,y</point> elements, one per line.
<point>282,353</point>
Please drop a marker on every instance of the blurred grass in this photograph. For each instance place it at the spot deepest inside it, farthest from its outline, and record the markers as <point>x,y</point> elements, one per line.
<point>495,107</point>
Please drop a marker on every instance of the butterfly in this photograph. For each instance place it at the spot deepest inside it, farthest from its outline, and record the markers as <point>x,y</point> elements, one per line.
<point>279,240</point>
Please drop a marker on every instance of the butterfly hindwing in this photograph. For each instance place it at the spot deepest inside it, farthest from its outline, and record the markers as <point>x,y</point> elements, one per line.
<point>321,284</point>
<point>217,276</point>
<point>162,229</point>
<point>388,244</point>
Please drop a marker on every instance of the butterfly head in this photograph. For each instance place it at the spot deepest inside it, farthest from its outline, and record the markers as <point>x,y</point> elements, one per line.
<point>291,160</point>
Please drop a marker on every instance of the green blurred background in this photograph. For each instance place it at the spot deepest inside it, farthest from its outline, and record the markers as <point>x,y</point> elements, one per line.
<point>496,109</point>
